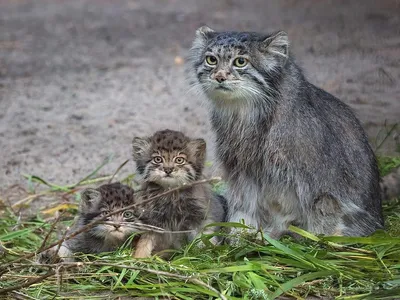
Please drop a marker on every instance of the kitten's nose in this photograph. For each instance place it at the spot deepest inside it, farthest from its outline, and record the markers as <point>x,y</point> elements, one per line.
<point>117,226</point>
<point>168,170</point>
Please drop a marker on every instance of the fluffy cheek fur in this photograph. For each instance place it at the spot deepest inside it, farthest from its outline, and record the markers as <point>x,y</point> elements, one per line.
<point>111,234</point>
<point>180,176</point>
<point>154,174</point>
<point>248,87</point>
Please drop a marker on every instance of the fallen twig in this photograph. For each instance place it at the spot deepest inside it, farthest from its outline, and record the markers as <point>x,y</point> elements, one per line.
<point>50,231</point>
<point>147,227</point>
<point>118,169</point>
<point>29,199</point>
<point>28,283</point>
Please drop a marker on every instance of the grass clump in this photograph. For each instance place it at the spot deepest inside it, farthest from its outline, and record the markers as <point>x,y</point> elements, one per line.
<point>329,267</point>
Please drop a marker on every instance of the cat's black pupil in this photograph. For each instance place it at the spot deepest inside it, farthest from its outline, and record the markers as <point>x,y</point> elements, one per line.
<point>240,61</point>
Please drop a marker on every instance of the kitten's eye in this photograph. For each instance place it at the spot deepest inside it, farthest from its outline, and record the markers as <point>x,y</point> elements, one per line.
<point>179,160</point>
<point>128,214</point>
<point>157,159</point>
<point>211,60</point>
<point>240,62</point>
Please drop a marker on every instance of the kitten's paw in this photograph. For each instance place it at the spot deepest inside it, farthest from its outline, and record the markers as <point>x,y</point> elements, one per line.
<point>145,246</point>
<point>55,255</point>
<point>49,256</point>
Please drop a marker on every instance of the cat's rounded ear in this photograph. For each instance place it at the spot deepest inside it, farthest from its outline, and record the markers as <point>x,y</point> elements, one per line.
<point>90,198</point>
<point>276,44</point>
<point>203,31</point>
<point>202,35</point>
<point>139,147</point>
<point>198,147</point>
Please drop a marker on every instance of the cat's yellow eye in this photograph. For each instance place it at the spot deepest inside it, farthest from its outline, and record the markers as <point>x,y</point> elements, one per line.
<point>128,214</point>
<point>211,60</point>
<point>179,160</point>
<point>157,159</point>
<point>240,62</point>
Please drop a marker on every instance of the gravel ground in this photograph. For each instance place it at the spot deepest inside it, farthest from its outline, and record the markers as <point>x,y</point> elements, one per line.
<point>78,79</point>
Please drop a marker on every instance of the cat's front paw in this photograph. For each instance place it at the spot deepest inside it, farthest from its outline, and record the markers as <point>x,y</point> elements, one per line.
<point>213,240</point>
<point>238,235</point>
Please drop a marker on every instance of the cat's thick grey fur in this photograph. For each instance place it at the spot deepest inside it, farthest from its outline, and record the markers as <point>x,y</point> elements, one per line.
<point>292,153</point>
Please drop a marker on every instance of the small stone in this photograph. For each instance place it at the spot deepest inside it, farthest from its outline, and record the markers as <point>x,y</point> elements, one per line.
<point>178,60</point>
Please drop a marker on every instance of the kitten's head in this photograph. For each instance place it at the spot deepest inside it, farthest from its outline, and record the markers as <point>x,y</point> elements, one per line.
<point>237,67</point>
<point>96,203</point>
<point>169,158</point>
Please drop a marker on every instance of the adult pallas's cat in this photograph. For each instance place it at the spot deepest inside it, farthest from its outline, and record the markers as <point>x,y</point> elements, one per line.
<point>292,153</point>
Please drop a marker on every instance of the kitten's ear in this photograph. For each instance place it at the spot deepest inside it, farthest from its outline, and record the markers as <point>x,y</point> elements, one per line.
<point>139,147</point>
<point>202,34</point>
<point>198,147</point>
<point>90,198</point>
<point>277,44</point>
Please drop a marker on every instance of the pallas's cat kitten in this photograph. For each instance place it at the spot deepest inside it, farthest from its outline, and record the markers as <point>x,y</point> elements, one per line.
<point>103,237</point>
<point>166,160</point>
<point>292,153</point>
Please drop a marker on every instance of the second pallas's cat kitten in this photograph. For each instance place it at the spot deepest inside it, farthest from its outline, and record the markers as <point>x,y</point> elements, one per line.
<point>169,159</point>
<point>103,237</point>
<point>292,153</point>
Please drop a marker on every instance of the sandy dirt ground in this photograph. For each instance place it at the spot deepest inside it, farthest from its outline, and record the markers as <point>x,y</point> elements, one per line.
<point>80,78</point>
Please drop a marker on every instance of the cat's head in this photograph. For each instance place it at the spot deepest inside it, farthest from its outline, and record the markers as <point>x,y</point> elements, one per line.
<point>237,67</point>
<point>96,203</point>
<point>169,158</point>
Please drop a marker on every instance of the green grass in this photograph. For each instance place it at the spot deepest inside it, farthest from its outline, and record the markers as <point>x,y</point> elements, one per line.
<point>340,267</point>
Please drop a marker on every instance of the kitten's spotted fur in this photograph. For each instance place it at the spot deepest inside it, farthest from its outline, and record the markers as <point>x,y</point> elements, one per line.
<point>292,153</point>
<point>95,204</point>
<point>169,159</point>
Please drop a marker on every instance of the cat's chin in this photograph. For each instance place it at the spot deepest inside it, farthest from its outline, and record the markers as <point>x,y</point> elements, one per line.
<point>117,236</point>
<point>109,233</point>
<point>169,182</point>
<point>222,95</point>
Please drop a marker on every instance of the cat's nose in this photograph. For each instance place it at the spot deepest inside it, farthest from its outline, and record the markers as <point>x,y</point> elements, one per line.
<point>220,77</point>
<point>168,170</point>
<point>117,226</point>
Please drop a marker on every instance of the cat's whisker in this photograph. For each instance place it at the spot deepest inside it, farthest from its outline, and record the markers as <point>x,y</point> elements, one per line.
<point>196,89</point>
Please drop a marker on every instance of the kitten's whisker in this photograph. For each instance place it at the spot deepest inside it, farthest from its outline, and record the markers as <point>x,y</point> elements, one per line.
<point>147,227</point>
